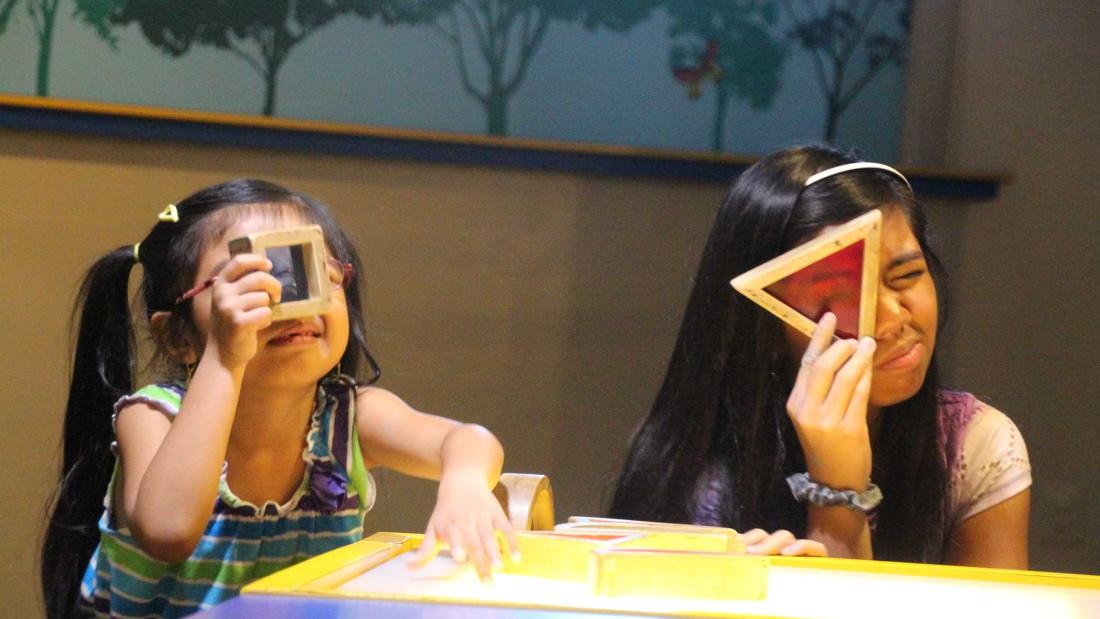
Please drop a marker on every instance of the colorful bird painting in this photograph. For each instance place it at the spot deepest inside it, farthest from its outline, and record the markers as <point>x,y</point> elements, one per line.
<point>707,69</point>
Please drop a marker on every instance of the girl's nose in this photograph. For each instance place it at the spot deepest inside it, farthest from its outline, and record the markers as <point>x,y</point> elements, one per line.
<point>892,315</point>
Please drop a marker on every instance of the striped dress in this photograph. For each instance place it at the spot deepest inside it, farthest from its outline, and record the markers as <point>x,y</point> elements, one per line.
<point>242,541</point>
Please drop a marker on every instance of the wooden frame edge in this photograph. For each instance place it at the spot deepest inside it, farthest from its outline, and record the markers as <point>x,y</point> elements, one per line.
<point>866,227</point>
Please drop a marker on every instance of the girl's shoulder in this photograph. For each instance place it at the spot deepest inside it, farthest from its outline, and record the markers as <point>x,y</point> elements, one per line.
<point>965,419</point>
<point>371,398</point>
<point>162,397</point>
<point>956,409</point>
<point>988,456</point>
<point>992,437</point>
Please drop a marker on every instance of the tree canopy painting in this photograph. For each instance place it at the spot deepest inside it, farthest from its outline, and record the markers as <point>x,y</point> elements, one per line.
<point>43,17</point>
<point>6,7</point>
<point>260,32</point>
<point>837,37</point>
<point>743,76</point>
<point>735,45</point>
<point>494,41</point>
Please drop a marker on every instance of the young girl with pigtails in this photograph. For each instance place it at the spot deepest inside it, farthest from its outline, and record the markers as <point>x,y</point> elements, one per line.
<point>252,453</point>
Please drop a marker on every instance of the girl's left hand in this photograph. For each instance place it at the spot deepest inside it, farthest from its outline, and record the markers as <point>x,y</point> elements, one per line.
<point>781,542</point>
<point>466,519</point>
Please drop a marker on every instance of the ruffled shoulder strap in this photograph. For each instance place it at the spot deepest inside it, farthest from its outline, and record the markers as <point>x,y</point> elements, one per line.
<point>343,437</point>
<point>165,397</point>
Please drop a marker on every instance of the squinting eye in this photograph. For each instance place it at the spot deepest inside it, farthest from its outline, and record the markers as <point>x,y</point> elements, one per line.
<point>910,277</point>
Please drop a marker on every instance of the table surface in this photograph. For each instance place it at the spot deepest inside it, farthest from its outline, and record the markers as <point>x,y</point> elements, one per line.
<point>446,589</point>
<point>371,578</point>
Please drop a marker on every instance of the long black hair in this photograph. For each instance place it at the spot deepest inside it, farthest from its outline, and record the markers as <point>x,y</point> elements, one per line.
<point>718,443</point>
<point>103,360</point>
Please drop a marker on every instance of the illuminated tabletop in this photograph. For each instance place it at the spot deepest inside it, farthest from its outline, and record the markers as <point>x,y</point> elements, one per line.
<point>674,572</point>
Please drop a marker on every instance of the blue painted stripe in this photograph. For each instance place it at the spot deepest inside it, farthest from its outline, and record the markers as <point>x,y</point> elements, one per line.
<point>426,149</point>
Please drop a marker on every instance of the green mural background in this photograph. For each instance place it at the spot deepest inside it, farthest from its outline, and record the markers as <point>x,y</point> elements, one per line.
<point>734,76</point>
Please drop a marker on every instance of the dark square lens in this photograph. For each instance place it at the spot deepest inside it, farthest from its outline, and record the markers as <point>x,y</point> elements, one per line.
<point>288,265</point>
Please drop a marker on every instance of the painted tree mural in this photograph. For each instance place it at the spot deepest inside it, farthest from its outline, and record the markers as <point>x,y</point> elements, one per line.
<point>6,7</point>
<point>731,44</point>
<point>43,16</point>
<point>839,35</point>
<point>494,41</point>
<point>260,32</point>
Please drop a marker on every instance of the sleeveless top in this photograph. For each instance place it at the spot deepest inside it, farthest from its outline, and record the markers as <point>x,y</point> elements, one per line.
<point>242,541</point>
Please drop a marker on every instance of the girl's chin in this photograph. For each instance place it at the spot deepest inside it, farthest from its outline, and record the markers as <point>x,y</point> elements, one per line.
<point>284,372</point>
<point>889,395</point>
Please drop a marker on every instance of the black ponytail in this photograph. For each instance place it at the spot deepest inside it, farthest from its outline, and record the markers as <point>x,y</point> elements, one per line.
<point>101,373</point>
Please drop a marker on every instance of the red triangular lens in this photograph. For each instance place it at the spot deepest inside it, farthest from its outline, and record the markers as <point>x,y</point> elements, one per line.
<point>831,284</point>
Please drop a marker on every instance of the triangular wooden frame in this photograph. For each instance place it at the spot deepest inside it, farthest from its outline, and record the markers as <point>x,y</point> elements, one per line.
<point>866,228</point>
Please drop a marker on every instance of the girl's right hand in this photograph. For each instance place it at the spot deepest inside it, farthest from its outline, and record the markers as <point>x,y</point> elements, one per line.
<point>781,542</point>
<point>241,302</point>
<point>828,407</point>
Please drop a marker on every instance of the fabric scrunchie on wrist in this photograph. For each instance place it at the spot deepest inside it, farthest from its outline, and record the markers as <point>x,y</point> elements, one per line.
<point>805,490</point>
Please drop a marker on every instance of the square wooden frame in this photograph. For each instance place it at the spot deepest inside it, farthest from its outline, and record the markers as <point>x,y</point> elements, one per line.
<point>313,238</point>
<point>866,228</point>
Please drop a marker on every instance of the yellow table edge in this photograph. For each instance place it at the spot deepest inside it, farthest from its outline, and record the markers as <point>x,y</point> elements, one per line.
<point>303,577</point>
<point>320,574</point>
<point>930,570</point>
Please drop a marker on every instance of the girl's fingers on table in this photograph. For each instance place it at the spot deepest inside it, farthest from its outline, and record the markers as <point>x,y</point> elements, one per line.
<point>458,549</point>
<point>804,548</point>
<point>488,536</point>
<point>753,536</point>
<point>500,523</point>
<point>771,544</point>
<point>476,551</point>
<point>429,548</point>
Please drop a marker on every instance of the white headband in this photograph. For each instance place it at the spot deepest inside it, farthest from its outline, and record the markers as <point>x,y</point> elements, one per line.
<point>859,165</point>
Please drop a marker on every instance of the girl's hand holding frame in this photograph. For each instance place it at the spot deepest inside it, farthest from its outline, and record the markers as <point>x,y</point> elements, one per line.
<point>242,295</point>
<point>828,407</point>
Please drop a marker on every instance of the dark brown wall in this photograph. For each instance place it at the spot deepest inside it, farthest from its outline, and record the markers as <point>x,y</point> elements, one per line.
<point>1014,86</point>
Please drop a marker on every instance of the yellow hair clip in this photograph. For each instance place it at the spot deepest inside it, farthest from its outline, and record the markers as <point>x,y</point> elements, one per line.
<point>169,214</point>
<point>137,256</point>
